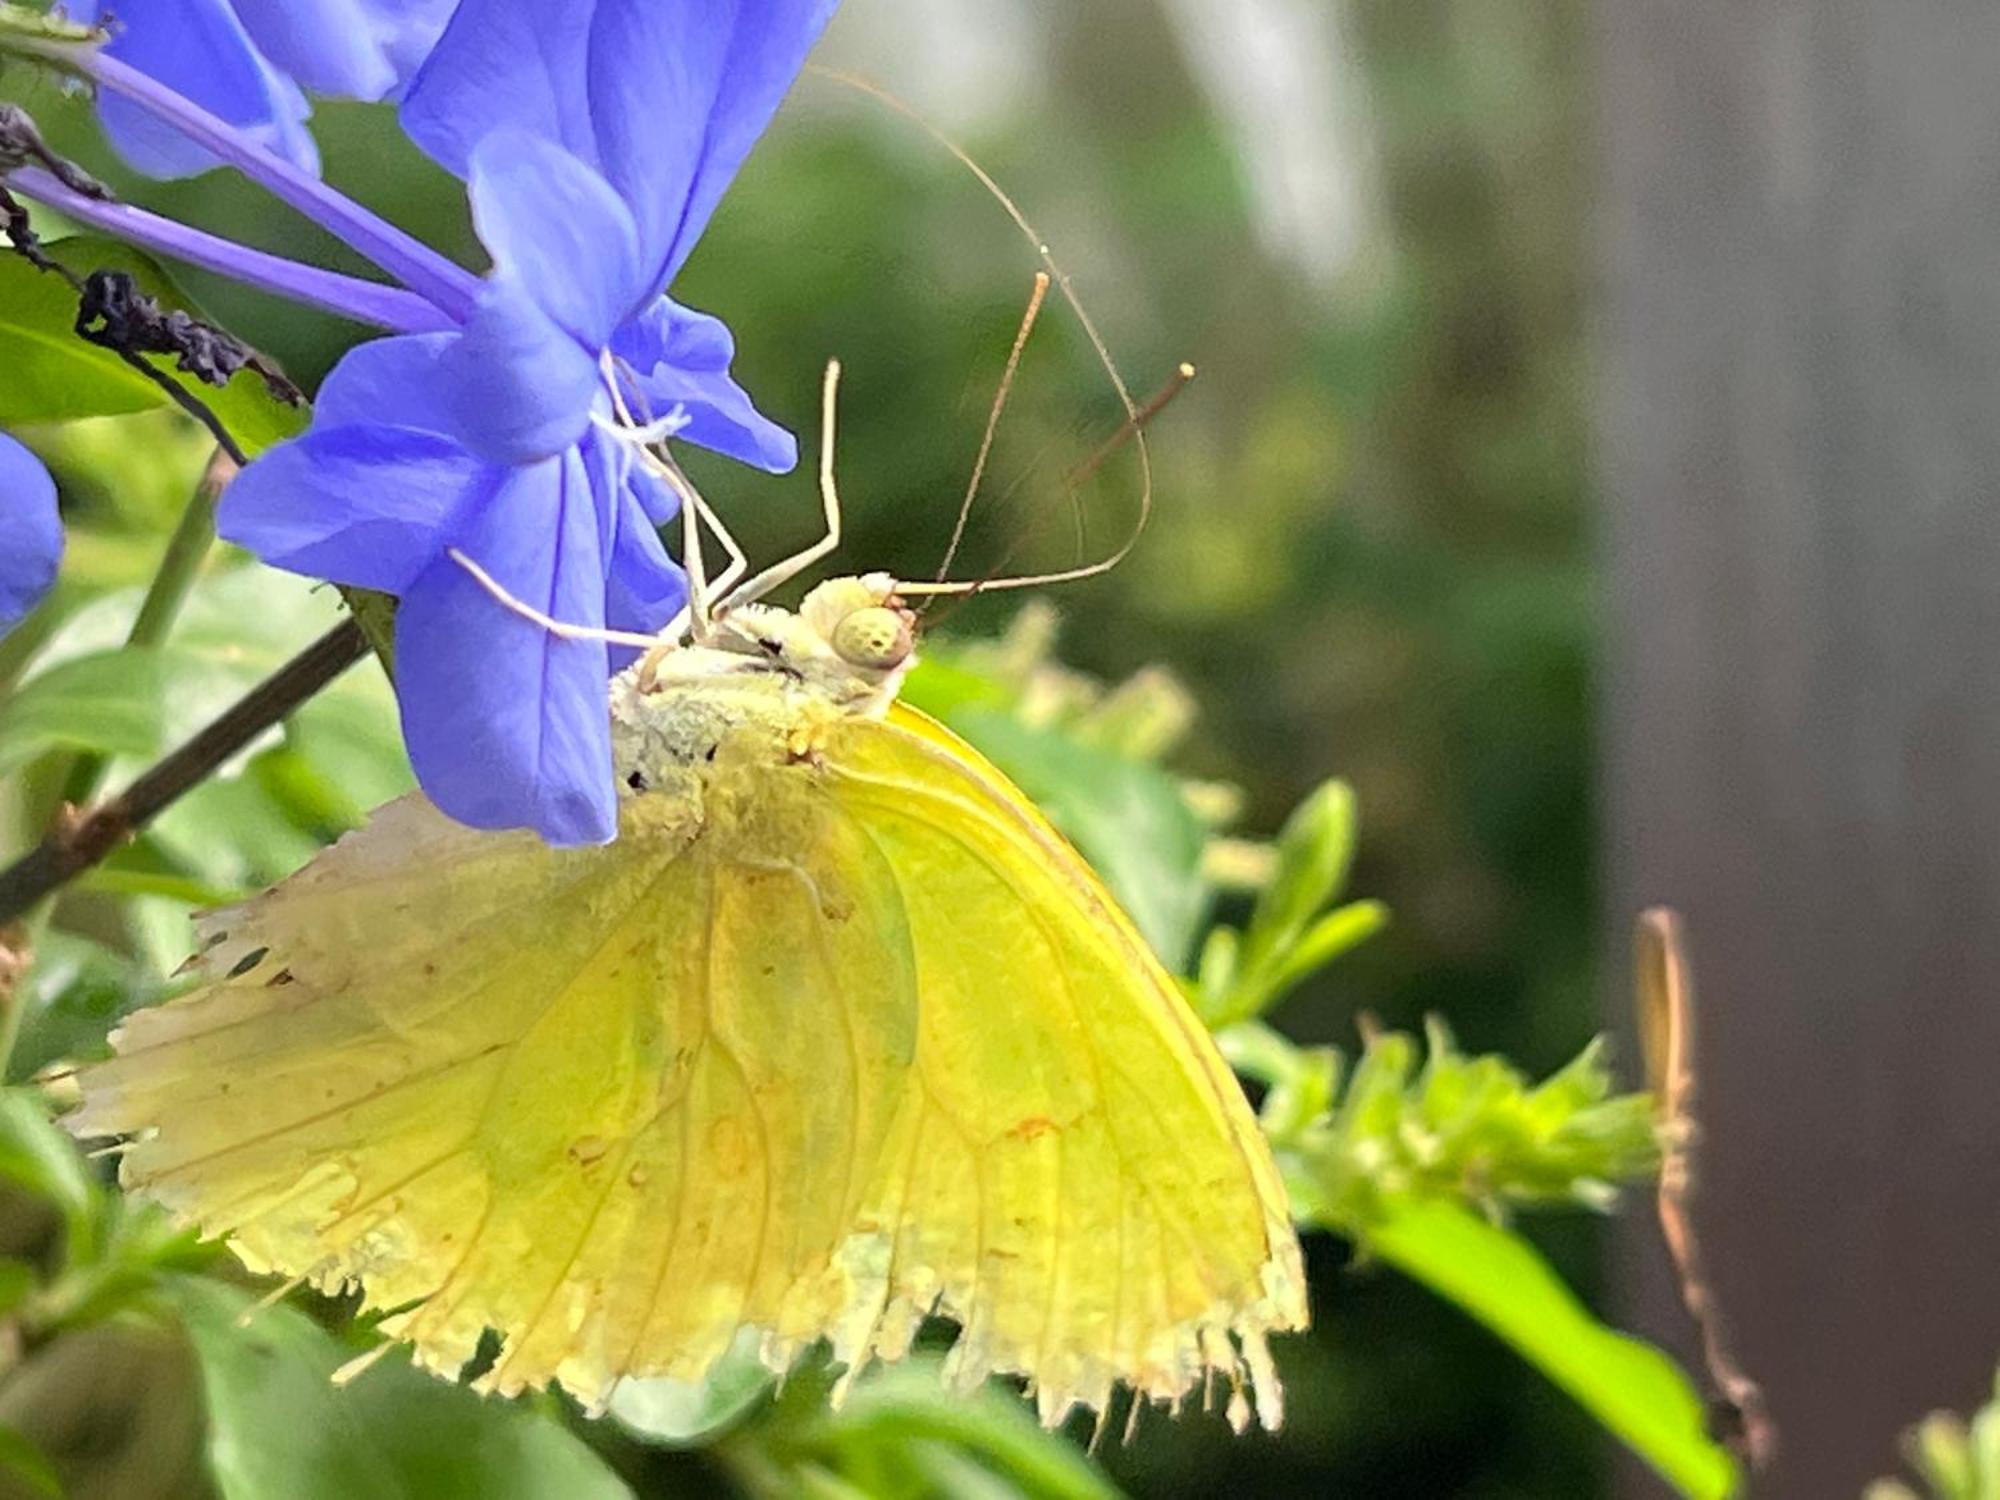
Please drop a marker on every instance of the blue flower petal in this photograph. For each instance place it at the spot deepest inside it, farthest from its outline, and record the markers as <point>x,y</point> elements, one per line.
<point>554,224</point>
<point>369,506</point>
<point>644,587</point>
<point>681,357</point>
<point>665,99</point>
<point>566,273</point>
<point>394,382</point>
<point>518,385</point>
<point>199,49</point>
<point>31,537</point>
<point>508,725</point>
<point>358,49</point>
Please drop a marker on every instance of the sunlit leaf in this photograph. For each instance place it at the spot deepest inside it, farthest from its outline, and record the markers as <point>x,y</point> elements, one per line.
<point>53,374</point>
<point>114,702</point>
<point>1498,1278</point>
<point>1315,848</point>
<point>895,1425</point>
<point>48,374</point>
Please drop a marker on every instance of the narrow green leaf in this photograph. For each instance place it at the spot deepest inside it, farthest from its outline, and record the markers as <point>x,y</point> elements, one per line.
<point>1324,941</point>
<point>278,1426</point>
<point>1493,1275</point>
<point>120,880</point>
<point>1315,848</point>
<point>112,702</point>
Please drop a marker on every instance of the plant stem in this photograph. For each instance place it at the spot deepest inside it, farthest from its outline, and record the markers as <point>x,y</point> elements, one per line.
<point>81,838</point>
<point>180,565</point>
<point>450,288</point>
<point>349,297</point>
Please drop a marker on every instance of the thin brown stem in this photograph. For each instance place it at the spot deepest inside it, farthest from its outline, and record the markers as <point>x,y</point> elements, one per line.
<point>1667,1020</point>
<point>82,837</point>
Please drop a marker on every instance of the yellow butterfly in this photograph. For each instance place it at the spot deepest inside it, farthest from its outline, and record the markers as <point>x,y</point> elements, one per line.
<point>839,1033</point>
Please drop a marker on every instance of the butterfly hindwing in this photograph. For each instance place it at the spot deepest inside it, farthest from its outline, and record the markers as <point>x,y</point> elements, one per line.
<point>836,1041</point>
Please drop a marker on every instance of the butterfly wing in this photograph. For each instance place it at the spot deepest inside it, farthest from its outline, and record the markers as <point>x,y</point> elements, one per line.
<point>841,1043</point>
<point>1076,1175</point>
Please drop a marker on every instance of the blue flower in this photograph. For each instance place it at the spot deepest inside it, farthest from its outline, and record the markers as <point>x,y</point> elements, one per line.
<point>32,530</point>
<point>664,98</point>
<point>247,62</point>
<point>494,439</point>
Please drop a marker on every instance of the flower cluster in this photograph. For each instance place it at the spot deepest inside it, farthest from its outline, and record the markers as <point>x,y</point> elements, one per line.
<point>249,61</point>
<point>595,138</point>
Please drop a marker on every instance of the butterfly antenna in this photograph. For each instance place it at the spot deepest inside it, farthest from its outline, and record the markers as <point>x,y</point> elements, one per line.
<point>1034,308</point>
<point>1062,283</point>
<point>1132,430</point>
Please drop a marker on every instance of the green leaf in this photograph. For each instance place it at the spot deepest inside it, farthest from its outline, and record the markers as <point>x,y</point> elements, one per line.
<point>1499,1279</point>
<point>338,755</point>
<point>49,374</point>
<point>114,702</point>
<point>899,1408</point>
<point>36,1155</point>
<point>278,1426</point>
<point>685,1413</point>
<point>30,23</point>
<point>941,687</point>
<point>76,992</point>
<point>1128,819</point>
<point>17,1280</point>
<point>53,374</point>
<point>1315,848</point>
<point>21,1460</point>
<point>1321,943</point>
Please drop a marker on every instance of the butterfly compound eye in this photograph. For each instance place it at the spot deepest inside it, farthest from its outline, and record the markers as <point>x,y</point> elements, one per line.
<point>876,638</point>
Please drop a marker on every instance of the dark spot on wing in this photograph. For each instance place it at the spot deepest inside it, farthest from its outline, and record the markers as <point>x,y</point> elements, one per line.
<point>248,962</point>
<point>636,781</point>
<point>279,979</point>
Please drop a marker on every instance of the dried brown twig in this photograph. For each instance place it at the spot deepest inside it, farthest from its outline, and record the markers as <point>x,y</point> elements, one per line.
<point>1666,1026</point>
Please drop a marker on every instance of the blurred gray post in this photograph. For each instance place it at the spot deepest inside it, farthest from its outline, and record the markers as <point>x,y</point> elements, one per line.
<point>1799,402</point>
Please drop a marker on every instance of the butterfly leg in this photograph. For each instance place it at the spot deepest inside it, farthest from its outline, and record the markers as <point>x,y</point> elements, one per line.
<point>648,439</point>
<point>687,621</point>
<point>562,629</point>
<point>780,573</point>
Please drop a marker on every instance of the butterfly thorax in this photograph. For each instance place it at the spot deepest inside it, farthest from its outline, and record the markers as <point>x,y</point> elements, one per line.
<point>760,690</point>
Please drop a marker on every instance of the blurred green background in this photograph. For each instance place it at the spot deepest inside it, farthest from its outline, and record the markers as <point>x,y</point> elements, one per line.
<point>1369,550</point>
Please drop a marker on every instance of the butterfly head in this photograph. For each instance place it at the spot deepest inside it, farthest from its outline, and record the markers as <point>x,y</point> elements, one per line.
<point>863,624</point>
<point>851,639</point>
